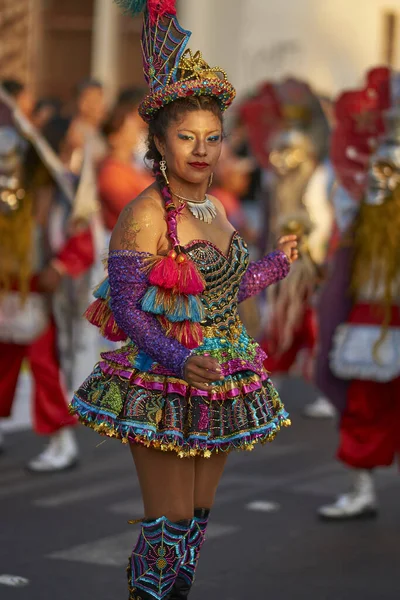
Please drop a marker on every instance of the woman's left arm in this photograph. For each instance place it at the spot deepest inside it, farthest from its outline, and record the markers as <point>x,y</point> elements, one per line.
<point>268,270</point>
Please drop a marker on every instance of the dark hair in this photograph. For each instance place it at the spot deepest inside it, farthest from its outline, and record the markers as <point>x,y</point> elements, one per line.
<point>116,119</point>
<point>174,112</point>
<point>50,102</point>
<point>87,84</point>
<point>13,87</point>
<point>131,96</point>
<point>55,132</point>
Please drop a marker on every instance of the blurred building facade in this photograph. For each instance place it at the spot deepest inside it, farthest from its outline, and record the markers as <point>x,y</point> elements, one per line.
<point>55,43</point>
<point>15,38</point>
<point>329,43</point>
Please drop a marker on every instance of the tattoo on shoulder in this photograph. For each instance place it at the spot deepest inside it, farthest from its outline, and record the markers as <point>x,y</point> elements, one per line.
<point>128,229</point>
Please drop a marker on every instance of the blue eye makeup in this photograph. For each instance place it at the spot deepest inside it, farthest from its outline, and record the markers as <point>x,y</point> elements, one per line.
<point>214,138</point>
<point>182,136</point>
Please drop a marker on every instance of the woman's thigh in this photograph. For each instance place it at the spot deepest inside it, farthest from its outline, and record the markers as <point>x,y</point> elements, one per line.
<point>208,472</point>
<point>166,482</point>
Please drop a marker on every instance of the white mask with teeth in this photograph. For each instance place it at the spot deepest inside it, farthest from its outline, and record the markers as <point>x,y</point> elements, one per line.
<point>384,168</point>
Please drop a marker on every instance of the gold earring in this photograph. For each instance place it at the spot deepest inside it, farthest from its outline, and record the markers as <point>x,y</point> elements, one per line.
<point>211,180</point>
<point>163,169</point>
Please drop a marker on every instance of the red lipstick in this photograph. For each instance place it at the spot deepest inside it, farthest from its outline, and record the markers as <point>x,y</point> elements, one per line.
<point>199,165</point>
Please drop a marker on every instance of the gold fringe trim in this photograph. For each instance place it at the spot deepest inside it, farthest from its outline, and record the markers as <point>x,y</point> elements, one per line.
<point>112,432</point>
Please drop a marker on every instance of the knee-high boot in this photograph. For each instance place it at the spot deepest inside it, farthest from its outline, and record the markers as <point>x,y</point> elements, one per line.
<point>184,581</point>
<point>156,558</point>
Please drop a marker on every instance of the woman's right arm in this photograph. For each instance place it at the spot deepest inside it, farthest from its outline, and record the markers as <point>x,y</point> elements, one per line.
<point>136,236</point>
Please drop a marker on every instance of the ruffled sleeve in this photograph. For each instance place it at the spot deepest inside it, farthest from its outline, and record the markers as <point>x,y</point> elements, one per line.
<point>128,284</point>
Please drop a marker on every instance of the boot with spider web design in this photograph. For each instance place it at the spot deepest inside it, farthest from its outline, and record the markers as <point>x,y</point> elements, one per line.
<point>187,571</point>
<point>156,558</point>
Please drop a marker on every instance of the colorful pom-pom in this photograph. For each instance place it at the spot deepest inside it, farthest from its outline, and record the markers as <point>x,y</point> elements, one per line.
<point>150,303</point>
<point>102,290</point>
<point>188,334</point>
<point>196,309</point>
<point>177,310</point>
<point>164,273</point>
<point>99,314</point>
<point>189,279</point>
<point>156,8</point>
<point>111,331</point>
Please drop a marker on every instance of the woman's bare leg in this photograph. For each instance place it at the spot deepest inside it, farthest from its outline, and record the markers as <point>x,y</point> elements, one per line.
<point>166,482</point>
<point>208,472</point>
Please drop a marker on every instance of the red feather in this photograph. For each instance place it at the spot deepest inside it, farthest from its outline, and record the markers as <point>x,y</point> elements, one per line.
<point>159,8</point>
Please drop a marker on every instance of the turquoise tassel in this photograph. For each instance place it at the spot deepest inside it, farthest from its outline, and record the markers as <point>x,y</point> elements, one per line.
<point>180,310</point>
<point>196,309</point>
<point>183,307</point>
<point>149,302</point>
<point>103,290</point>
<point>132,7</point>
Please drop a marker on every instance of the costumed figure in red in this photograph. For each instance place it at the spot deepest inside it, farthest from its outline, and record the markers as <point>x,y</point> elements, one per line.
<point>290,144</point>
<point>31,270</point>
<point>358,365</point>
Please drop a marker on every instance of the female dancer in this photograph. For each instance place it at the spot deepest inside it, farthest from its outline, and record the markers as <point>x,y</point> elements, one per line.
<point>189,385</point>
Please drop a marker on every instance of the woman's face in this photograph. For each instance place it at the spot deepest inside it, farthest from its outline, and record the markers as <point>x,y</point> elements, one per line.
<point>192,146</point>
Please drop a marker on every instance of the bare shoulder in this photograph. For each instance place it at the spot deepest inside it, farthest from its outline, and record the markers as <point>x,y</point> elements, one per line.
<point>218,204</point>
<point>141,223</point>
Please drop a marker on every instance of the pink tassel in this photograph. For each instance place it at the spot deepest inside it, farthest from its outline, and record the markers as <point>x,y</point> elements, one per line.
<point>99,314</point>
<point>190,334</point>
<point>189,279</point>
<point>187,333</point>
<point>164,273</point>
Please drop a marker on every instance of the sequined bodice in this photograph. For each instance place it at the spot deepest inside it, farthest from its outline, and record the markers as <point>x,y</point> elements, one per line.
<point>222,274</point>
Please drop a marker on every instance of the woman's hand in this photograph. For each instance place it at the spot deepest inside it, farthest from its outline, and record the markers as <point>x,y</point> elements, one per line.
<point>201,371</point>
<point>288,245</point>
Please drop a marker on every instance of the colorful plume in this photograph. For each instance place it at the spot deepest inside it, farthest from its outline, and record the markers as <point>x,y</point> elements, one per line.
<point>155,8</point>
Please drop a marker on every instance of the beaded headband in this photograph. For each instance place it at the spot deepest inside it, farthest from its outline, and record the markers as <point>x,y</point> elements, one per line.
<point>171,70</point>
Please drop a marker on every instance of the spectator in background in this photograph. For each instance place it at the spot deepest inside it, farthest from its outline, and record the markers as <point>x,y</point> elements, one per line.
<point>22,95</point>
<point>89,116</point>
<point>45,110</point>
<point>131,97</point>
<point>232,180</point>
<point>121,178</point>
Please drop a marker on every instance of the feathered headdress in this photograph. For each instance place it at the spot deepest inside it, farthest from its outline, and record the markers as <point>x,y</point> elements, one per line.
<point>171,70</point>
<point>359,124</point>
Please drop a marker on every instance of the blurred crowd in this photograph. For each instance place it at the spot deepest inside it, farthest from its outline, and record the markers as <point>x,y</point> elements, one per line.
<point>292,162</point>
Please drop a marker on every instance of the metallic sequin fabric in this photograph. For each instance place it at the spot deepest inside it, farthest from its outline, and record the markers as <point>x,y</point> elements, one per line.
<point>137,393</point>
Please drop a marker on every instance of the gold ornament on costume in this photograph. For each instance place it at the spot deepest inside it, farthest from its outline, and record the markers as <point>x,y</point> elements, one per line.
<point>16,218</point>
<point>193,66</point>
<point>375,269</point>
<point>299,225</point>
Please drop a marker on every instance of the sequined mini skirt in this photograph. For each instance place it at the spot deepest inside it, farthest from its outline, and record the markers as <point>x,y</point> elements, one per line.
<point>156,409</point>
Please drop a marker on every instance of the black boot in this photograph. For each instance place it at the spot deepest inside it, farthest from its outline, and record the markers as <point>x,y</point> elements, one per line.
<point>156,558</point>
<point>184,581</point>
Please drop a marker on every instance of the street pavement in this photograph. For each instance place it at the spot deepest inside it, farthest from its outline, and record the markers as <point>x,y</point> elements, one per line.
<point>67,535</point>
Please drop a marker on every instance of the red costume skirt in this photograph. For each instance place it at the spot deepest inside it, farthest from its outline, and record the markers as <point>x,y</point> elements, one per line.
<point>370,425</point>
